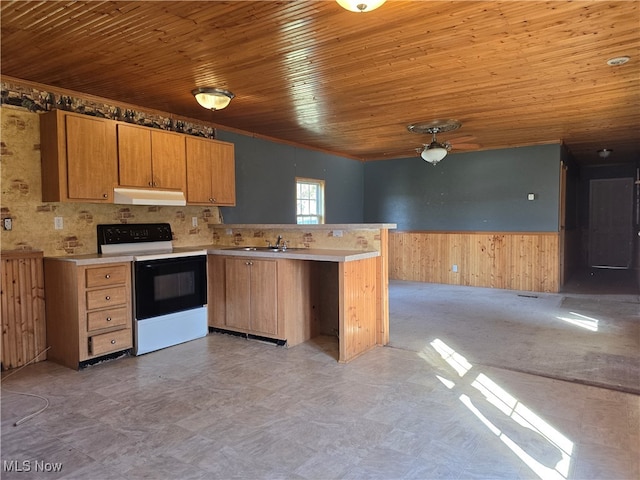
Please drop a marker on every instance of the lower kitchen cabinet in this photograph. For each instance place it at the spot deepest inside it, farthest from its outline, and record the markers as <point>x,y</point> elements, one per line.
<point>265,298</point>
<point>251,295</point>
<point>88,310</point>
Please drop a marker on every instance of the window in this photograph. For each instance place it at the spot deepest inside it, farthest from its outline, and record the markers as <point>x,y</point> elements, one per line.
<point>309,201</point>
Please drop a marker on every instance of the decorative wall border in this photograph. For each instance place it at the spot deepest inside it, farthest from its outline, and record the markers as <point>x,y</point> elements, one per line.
<point>36,100</point>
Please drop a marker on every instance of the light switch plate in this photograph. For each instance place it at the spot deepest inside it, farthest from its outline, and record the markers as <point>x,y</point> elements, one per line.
<point>58,223</point>
<point>531,196</point>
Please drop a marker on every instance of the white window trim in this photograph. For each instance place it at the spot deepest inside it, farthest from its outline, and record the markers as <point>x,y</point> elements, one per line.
<point>321,214</point>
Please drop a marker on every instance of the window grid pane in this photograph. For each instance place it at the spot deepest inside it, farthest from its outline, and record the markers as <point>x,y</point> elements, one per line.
<point>309,204</point>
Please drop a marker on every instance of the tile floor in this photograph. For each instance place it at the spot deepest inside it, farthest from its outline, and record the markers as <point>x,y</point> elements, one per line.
<point>223,407</point>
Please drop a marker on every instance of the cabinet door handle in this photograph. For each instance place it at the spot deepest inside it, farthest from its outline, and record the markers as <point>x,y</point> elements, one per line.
<point>108,319</point>
<point>107,297</point>
<point>107,276</point>
<point>105,195</point>
<point>113,342</point>
<point>150,184</point>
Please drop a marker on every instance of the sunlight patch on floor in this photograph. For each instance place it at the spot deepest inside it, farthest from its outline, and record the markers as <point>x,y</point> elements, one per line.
<point>583,321</point>
<point>513,410</point>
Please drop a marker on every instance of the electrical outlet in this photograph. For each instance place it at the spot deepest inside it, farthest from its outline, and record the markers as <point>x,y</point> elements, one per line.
<point>194,222</point>
<point>337,233</point>
<point>7,224</point>
<point>58,223</point>
<point>454,268</point>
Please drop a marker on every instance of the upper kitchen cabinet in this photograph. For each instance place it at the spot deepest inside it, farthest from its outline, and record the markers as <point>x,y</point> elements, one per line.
<point>211,172</point>
<point>79,159</point>
<point>151,158</point>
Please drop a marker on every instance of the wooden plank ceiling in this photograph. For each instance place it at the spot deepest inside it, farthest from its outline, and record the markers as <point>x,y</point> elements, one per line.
<point>309,72</point>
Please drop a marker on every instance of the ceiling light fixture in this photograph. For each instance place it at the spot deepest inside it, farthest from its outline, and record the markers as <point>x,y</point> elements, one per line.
<point>604,153</point>
<point>434,151</point>
<point>614,62</point>
<point>359,5</point>
<point>212,98</point>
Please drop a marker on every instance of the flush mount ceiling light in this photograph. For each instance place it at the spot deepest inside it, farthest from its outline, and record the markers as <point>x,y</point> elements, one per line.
<point>604,153</point>
<point>614,62</point>
<point>212,98</point>
<point>359,5</point>
<point>434,151</point>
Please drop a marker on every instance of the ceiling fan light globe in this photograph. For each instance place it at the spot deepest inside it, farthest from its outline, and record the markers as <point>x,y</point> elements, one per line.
<point>433,154</point>
<point>360,5</point>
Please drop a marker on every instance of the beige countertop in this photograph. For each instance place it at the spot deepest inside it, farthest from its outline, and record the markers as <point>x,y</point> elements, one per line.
<point>315,254</point>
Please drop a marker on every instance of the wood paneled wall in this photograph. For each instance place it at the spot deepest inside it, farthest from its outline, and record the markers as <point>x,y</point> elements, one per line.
<point>515,261</point>
<point>358,322</point>
<point>24,334</point>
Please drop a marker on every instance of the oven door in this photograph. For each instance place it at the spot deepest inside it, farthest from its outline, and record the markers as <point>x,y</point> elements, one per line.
<point>169,285</point>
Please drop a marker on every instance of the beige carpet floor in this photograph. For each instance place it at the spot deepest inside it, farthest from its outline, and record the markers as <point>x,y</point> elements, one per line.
<point>591,338</point>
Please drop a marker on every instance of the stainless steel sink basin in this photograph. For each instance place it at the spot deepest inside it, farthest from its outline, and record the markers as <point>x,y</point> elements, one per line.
<point>254,249</point>
<point>263,249</point>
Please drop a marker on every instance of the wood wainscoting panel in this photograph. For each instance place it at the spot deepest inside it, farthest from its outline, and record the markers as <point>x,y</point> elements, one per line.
<point>516,261</point>
<point>24,335</point>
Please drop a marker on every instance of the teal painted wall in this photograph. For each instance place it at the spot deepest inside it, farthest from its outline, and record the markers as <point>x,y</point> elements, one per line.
<point>265,182</point>
<point>475,191</point>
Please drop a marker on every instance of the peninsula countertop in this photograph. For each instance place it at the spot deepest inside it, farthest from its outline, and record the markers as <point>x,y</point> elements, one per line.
<point>315,254</point>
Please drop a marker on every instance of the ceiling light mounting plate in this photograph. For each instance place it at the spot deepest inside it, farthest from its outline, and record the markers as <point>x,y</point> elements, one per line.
<point>434,126</point>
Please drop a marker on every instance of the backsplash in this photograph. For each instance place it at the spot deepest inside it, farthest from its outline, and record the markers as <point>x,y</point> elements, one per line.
<point>33,221</point>
<point>314,237</point>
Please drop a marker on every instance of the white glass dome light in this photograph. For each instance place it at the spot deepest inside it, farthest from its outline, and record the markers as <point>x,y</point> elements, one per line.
<point>212,98</point>
<point>360,5</point>
<point>434,152</point>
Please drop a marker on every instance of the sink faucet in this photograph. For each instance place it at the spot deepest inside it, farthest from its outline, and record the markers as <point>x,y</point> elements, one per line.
<point>278,243</point>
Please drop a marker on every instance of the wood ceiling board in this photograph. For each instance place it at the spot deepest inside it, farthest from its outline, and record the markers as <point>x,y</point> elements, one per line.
<point>514,73</point>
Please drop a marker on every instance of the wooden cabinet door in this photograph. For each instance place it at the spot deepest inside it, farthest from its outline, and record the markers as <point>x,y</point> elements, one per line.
<point>238,293</point>
<point>168,160</point>
<point>264,297</point>
<point>134,156</point>
<point>210,172</point>
<point>199,172</point>
<point>91,164</point>
<point>223,181</point>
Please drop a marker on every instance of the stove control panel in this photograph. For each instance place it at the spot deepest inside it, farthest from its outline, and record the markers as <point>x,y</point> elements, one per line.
<point>133,233</point>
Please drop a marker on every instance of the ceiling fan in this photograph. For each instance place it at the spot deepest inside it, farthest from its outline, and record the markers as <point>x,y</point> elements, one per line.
<point>435,151</point>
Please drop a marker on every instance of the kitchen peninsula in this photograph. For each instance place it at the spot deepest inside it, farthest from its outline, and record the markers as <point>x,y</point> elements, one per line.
<point>330,279</point>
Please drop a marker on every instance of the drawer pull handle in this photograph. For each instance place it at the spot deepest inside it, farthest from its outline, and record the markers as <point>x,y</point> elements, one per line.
<point>107,297</point>
<point>108,319</point>
<point>113,342</point>
<point>107,276</point>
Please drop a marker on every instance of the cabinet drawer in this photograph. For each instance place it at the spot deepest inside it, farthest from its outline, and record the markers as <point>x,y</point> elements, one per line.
<point>114,317</point>
<point>110,342</point>
<point>106,297</point>
<point>107,275</point>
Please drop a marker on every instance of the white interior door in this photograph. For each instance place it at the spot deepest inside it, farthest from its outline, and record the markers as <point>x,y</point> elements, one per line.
<point>611,223</point>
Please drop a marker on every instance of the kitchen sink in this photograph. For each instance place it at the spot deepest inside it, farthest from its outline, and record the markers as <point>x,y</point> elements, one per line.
<point>262,249</point>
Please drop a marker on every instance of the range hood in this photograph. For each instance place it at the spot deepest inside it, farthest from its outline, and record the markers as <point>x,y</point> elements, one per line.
<point>139,196</point>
